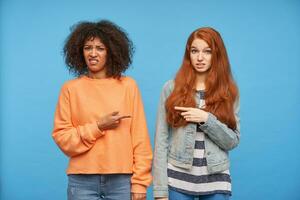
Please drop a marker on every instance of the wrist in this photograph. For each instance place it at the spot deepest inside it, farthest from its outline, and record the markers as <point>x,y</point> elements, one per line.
<point>205,117</point>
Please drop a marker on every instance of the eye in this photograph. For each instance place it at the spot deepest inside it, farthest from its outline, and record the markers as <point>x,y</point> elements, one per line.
<point>87,48</point>
<point>100,48</point>
<point>207,51</point>
<point>193,51</point>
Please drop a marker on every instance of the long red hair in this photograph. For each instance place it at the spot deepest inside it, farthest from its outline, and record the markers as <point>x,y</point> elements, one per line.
<point>220,88</point>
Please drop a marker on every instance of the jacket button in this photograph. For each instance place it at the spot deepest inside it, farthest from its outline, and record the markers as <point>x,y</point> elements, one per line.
<point>208,153</point>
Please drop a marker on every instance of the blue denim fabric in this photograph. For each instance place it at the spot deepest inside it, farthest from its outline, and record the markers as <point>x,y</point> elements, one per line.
<point>176,145</point>
<point>99,187</point>
<point>174,195</point>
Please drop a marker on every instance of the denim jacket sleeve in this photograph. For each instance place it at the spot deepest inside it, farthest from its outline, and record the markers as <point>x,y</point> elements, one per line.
<point>160,178</point>
<point>220,133</point>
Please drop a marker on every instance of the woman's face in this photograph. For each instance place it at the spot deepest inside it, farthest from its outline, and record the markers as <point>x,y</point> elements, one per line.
<point>200,54</point>
<point>94,53</point>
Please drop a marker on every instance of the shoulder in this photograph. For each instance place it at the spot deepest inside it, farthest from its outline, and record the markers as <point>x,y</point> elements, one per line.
<point>128,81</point>
<point>70,84</point>
<point>236,104</point>
<point>168,86</point>
<point>167,89</point>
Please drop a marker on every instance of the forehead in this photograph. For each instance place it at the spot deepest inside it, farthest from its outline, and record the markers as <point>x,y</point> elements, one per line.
<point>93,41</point>
<point>199,43</point>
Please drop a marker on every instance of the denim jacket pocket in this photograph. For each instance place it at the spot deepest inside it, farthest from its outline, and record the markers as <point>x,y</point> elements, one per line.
<point>182,142</point>
<point>217,159</point>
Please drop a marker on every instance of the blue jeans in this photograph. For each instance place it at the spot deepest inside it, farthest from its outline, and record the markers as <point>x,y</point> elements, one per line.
<point>99,187</point>
<point>174,195</point>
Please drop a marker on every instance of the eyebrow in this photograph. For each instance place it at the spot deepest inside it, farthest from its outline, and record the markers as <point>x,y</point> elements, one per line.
<point>193,47</point>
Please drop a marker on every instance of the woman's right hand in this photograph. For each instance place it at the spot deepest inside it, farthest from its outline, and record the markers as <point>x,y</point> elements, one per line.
<point>110,121</point>
<point>161,198</point>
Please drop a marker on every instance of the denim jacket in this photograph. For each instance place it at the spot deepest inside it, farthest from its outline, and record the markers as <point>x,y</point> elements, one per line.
<point>176,145</point>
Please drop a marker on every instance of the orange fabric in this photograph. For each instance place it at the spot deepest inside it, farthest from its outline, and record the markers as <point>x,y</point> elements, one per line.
<point>126,149</point>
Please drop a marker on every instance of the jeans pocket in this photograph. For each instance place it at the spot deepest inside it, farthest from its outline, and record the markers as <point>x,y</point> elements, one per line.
<point>81,187</point>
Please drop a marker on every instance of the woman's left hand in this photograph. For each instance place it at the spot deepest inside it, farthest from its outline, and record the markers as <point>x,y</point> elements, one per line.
<point>138,196</point>
<point>193,114</point>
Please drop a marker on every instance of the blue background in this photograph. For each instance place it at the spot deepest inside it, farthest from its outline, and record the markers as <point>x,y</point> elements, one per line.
<point>263,43</point>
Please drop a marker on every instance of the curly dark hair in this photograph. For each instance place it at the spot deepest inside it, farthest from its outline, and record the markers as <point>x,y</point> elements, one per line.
<point>119,47</point>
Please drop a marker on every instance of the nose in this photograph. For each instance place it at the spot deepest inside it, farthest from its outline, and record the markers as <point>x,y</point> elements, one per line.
<point>93,53</point>
<point>200,56</point>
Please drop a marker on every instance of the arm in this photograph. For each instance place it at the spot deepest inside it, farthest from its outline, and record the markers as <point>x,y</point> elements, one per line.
<point>217,131</point>
<point>142,153</point>
<point>220,133</point>
<point>72,140</point>
<point>160,178</point>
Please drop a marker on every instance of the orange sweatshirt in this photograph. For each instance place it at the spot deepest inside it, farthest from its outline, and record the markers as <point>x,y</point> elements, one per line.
<point>125,149</point>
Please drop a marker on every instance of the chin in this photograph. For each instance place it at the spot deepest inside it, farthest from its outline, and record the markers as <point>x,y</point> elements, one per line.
<point>95,69</point>
<point>201,70</point>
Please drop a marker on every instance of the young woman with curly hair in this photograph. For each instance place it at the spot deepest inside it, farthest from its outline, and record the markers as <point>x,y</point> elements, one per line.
<point>197,124</point>
<point>99,120</point>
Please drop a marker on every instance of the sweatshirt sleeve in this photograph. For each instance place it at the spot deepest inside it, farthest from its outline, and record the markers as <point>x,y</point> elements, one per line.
<point>142,153</point>
<point>220,133</point>
<point>72,140</point>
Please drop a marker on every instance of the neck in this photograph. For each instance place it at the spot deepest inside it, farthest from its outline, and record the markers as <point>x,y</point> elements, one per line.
<point>200,81</point>
<point>97,75</point>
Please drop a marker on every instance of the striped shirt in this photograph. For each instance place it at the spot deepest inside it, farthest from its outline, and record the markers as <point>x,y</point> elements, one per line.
<point>197,181</point>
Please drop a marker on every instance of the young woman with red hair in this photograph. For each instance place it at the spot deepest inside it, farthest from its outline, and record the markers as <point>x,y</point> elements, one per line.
<point>197,124</point>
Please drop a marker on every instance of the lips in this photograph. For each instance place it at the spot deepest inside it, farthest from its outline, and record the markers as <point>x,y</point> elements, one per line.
<point>93,61</point>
